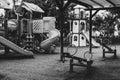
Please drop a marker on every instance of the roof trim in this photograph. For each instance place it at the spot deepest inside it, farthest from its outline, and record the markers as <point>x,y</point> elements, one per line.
<point>82,3</point>
<point>111,3</point>
<point>32,7</point>
<point>105,8</point>
<point>29,7</point>
<point>97,3</point>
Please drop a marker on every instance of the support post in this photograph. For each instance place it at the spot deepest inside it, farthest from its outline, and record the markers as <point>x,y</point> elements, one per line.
<point>61,33</point>
<point>103,53</point>
<point>71,66</point>
<point>6,30</point>
<point>19,30</point>
<point>61,24</point>
<point>90,32</point>
<point>29,37</point>
<point>115,55</point>
<point>62,7</point>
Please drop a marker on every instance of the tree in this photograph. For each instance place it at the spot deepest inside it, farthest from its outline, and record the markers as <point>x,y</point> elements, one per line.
<point>48,6</point>
<point>107,22</point>
<point>97,22</point>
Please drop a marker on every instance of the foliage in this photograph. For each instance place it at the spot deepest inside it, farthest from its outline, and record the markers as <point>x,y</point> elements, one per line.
<point>48,6</point>
<point>107,22</point>
<point>115,12</point>
<point>97,22</point>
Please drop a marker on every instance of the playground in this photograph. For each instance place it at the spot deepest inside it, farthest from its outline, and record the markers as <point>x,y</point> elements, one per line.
<point>48,67</point>
<point>70,46</point>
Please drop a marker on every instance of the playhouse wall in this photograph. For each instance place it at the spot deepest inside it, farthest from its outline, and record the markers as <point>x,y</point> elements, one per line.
<point>82,40</point>
<point>79,40</point>
<point>48,23</point>
<point>75,27</point>
<point>38,26</point>
<point>75,39</point>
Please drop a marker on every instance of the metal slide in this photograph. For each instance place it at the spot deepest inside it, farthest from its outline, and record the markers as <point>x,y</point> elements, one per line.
<point>107,47</point>
<point>94,43</point>
<point>14,47</point>
<point>53,36</point>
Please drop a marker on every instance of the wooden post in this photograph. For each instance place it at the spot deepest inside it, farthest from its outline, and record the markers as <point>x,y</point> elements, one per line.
<point>103,53</point>
<point>19,30</point>
<point>29,38</point>
<point>30,24</point>
<point>61,24</point>
<point>90,32</point>
<point>6,30</point>
<point>61,32</point>
<point>71,65</point>
<point>115,53</point>
<point>62,8</point>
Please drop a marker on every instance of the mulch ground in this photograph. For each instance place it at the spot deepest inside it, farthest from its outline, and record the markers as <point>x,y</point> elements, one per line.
<point>48,67</point>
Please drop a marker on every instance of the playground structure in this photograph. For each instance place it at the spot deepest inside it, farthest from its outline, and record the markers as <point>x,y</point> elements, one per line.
<point>43,34</point>
<point>107,49</point>
<point>94,43</point>
<point>27,32</point>
<point>78,24</point>
<point>39,32</point>
<point>90,5</point>
<point>8,44</point>
<point>29,39</point>
<point>80,35</point>
<point>79,38</point>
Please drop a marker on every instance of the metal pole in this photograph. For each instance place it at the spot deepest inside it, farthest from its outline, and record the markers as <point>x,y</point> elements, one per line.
<point>61,37</point>
<point>61,30</point>
<point>90,32</point>
<point>61,24</point>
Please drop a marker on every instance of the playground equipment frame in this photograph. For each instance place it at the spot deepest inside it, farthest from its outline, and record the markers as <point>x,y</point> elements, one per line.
<point>30,44</point>
<point>90,8</point>
<point>9,45</point>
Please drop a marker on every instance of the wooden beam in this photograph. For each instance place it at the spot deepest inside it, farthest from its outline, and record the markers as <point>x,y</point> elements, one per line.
<point>97,3</point>
<point>111,3</point>
<point>95,13</point>
<point>105,8</point>
<point>82,3</point>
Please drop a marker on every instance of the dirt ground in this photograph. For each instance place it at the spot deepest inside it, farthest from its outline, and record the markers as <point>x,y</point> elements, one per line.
<point>48,67</point>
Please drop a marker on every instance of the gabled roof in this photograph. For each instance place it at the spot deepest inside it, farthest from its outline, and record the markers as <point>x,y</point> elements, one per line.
<point>98,4</point>
<point>31,7</point>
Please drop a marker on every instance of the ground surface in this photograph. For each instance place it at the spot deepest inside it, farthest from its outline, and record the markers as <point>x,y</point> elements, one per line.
<point>48,67</point>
